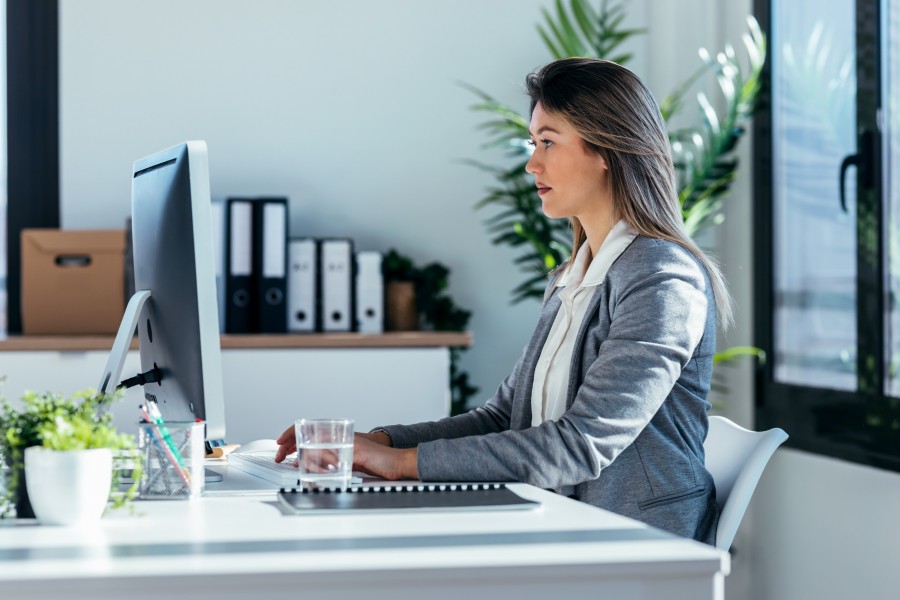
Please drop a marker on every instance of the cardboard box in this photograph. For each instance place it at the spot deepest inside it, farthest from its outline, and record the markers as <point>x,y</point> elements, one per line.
<point>73,282</point>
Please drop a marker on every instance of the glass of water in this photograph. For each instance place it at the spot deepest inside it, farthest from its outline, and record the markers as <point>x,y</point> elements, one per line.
<point>325,452</point>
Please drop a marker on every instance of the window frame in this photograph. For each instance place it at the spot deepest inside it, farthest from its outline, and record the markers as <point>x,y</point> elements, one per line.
<point>32,139</point>
<point>832,423</point>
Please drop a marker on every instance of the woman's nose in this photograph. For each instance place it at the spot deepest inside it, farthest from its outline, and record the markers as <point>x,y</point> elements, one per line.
<point>533,165</point>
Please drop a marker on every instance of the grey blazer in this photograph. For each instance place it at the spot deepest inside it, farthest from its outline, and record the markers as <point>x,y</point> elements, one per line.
<point>631,439</point>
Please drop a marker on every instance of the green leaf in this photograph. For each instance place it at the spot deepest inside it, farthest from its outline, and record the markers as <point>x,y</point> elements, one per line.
<point>554,49</point>
<point>586,19</point>
<point>555,30</point>
<point>730,354</point>
<point>574,46</point>
<point>672,103</point>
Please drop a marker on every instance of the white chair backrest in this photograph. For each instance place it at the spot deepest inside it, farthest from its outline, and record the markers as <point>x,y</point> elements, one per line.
<point>736,458</point>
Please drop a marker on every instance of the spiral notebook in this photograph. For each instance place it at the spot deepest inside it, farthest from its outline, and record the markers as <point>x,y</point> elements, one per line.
<point>412,497</point>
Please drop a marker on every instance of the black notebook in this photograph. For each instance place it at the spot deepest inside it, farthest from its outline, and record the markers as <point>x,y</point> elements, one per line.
<point>419,496</point>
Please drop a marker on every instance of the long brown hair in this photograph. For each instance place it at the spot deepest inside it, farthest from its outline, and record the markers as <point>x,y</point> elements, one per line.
<point>618,118</point>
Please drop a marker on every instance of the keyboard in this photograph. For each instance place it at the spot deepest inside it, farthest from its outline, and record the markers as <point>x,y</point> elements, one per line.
<point>263,465</point>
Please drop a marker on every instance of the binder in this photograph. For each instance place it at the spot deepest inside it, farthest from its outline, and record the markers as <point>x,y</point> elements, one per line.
<point>270,264</point>
<point>369,293</point>
<point>415,497</point>
<point>240,306</point>
<point>336,291</point>
<point>302,285</point>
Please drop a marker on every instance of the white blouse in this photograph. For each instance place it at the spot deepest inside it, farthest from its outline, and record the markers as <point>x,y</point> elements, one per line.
<point>551,374</point>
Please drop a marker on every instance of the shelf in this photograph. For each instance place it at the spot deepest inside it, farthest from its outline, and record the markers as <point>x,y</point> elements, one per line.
<point>394,339</point>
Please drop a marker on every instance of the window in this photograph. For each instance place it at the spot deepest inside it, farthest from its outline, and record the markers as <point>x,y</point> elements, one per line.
<point>2,169</point>
<point>828,251</point>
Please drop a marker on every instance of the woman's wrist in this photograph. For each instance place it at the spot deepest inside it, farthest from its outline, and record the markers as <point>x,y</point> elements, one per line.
<point>380,436</point>
<point>409,463</point>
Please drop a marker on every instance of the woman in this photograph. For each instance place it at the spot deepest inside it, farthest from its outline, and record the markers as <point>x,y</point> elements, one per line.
<point>607,403</point>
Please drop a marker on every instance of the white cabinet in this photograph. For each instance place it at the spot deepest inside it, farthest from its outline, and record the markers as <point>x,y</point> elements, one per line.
<point>266,390</point>
<point>380,380</point>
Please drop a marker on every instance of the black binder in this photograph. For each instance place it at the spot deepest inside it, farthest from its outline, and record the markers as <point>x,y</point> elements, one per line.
<point>270,225</point>
<point>240,293</point>
<point>415,497</point>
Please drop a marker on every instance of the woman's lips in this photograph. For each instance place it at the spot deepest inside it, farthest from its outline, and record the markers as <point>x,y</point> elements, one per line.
<point>542,189</point>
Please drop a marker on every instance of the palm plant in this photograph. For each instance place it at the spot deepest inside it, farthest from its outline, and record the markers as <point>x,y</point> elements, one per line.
<point>704,155</point>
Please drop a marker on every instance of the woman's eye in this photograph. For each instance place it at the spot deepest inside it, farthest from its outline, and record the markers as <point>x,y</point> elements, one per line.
<point>532,144</point>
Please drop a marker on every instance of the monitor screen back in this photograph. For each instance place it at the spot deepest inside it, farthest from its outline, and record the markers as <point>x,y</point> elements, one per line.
<point>173,259</point>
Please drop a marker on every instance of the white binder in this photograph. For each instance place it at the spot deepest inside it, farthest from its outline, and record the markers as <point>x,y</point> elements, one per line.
<point>302,282</point>
<point>336,273</point>
<point>369,293</point>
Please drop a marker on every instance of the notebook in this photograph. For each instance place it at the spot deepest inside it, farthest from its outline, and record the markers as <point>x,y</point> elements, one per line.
<point>263,465</point>
<point>416,497</point>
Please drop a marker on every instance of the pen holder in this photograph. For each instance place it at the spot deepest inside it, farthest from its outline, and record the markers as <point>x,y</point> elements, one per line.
<point>173,460</point>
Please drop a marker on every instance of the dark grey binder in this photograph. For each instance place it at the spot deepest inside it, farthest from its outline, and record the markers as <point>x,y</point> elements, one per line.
<point>415,497</point>
<point>270,225</point>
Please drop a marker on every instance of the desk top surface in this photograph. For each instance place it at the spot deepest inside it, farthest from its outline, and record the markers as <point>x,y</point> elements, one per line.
<point>233,534</point>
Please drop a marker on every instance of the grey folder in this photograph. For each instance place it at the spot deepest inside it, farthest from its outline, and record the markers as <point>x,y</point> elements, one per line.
<point>416,497</point>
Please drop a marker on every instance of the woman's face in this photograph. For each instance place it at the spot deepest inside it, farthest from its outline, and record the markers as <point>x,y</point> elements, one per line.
<point>571,180</point>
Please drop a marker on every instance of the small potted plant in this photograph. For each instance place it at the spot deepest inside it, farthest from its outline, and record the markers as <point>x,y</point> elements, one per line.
<point>400,279</point>
<point>59,455</point>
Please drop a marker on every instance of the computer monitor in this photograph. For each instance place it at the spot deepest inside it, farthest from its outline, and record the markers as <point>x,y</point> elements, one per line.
<point>174,307</point>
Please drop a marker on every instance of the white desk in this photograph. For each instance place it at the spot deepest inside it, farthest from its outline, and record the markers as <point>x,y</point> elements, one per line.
<point>242,547</point>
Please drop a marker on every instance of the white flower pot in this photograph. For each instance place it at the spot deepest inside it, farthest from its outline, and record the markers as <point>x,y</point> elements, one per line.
<point>68,488</point>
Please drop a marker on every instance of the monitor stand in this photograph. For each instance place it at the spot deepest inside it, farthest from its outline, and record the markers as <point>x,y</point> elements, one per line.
<point>112,372</point>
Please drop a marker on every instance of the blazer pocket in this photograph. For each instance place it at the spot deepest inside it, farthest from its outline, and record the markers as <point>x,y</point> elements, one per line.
<point>687,494</point>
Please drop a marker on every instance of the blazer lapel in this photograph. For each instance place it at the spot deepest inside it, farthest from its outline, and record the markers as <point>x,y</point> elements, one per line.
<point>575,375</point>
<point>520,416</point>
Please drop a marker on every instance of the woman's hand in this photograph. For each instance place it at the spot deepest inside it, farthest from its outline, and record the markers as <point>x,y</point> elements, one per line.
<point>287,444</point>
<point>375,457</point>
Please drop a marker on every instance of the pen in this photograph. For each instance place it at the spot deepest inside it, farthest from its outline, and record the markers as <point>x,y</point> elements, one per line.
<point>165,448</point>
<point>153,409</point>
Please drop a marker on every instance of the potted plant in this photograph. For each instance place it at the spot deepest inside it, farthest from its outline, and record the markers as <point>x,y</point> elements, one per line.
<point>704,155</point>
<point>400,278</point>
<point>59,456</point>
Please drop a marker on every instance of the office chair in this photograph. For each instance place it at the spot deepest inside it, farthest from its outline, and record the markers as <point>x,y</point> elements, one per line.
<point>736,458</point>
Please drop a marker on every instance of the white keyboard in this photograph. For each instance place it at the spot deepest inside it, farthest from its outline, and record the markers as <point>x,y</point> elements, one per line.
<point>263,465</point>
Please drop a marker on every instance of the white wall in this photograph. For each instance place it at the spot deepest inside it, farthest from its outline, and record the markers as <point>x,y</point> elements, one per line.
<point>350,108</point>
<point>824,529</point>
